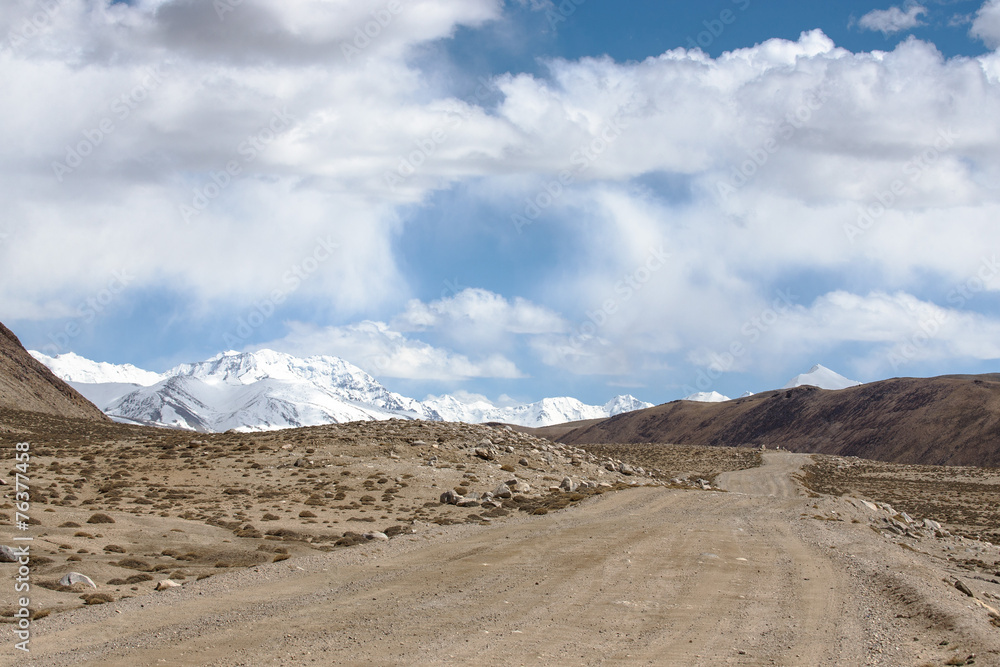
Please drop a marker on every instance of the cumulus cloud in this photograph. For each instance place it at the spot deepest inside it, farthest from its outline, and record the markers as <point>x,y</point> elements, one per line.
<point>376,348</point>
<point>893,20</point>
<point>897,330</point>
<point>682,192</point>
<point>986,25</point>
<point>479,314</point>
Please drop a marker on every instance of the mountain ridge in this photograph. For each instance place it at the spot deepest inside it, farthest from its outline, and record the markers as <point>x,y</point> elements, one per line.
<point>267,390</point>
<point>946,420</point>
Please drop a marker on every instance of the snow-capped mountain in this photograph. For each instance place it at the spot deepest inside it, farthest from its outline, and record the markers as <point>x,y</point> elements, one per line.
<point>545,412</point>
<point>707,397</point>
<point>74,368</point>
<point>822,377</point>
<point>268,390</point>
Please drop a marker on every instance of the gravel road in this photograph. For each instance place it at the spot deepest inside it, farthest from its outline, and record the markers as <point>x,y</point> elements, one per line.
<point>644,576</point>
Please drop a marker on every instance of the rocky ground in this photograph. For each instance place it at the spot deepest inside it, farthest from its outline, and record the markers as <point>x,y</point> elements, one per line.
<point>397,543</point>
<point>132,507</point>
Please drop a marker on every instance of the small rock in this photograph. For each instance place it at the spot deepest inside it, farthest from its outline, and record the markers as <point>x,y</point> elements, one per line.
<point>568,485</point>
<point>486,454</point>
<point>503,491</point>
<point>7,554</point>
<point>960,585</point>
<point>71,578</point>
<point>167,584</point>
<point>468,502</point>
<point>375,535</point>
<point>418,443</point>
<point>522,461</point>
<point>450,497</point>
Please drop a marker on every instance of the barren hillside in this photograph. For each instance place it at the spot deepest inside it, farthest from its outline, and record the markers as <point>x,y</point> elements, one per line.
<point>25,384</point>
<point>953,420</point>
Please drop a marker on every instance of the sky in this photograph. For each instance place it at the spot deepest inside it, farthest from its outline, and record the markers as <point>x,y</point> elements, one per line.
<point>512,199</point>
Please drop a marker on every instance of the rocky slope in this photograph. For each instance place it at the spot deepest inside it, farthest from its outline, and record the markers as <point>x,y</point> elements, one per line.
<point>936,421</point>
<point>26,384</point>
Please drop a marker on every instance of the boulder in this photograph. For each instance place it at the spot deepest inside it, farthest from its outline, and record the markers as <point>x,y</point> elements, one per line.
<point>568,485</point>
<point>7,554</point>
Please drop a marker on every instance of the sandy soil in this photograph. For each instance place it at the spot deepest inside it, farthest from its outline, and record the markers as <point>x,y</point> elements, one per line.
<point>766,574</point>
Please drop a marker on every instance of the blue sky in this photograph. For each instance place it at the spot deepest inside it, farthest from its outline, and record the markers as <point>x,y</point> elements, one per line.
<point>517,200</point>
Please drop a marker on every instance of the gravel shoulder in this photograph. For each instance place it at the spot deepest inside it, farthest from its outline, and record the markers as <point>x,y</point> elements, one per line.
<point>764,574</point>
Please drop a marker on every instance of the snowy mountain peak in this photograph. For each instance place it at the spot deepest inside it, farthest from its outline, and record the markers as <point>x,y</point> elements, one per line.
<point>707,397</point>
<point>267,390</point>
<point>74,368</point>
<point>822,377</point>
<point>625,403</point>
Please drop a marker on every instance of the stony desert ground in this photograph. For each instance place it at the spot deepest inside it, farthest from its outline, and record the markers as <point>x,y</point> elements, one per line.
<point>332,545</point>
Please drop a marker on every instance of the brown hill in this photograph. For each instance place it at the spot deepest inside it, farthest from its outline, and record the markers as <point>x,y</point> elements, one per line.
<point>26,384</point>
<point>951,420</point>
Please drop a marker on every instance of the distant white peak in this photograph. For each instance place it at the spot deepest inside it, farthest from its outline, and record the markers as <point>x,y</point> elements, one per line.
<point>625,403</point>
<point>74,368</point>
<point>822,377</point>
<point>707,397</point>
<point>746,394</point>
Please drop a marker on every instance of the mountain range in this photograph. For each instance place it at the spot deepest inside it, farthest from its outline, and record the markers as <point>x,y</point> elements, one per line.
<point>947,420</point>
<point>267,390</point>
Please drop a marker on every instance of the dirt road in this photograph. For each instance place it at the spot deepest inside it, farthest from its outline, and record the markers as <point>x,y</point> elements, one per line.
<point>647,576</point>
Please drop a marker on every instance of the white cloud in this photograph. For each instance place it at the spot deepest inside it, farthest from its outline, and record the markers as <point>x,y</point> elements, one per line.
<point>896,329</point>
<point>987,24</point>
<point>770,152</point>
<point>892,20</point>
<point>386,353</point>
<point>478,314</point>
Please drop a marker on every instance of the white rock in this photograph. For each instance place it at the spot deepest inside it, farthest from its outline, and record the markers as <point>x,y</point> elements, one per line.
<point>71,578</point>
<point>167,584</point>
